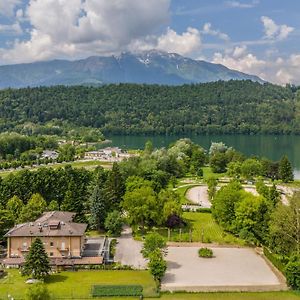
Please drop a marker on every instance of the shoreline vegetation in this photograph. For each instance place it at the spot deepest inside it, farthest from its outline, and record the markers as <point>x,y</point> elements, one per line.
<point>218,107</point>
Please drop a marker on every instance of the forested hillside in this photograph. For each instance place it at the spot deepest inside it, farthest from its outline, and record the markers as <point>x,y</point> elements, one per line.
<point>219,107</point>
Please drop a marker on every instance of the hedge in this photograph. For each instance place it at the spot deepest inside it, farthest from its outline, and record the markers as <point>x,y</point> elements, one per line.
<point>116,290</point>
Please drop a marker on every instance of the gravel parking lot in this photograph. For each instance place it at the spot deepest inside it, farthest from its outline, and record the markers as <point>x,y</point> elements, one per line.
<point>230,269</point>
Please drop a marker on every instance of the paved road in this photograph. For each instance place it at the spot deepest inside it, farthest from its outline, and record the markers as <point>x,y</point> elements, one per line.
<point>199,196</point>
<point>128,251</point>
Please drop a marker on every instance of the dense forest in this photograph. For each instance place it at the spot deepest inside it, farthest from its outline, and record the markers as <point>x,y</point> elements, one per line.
<point>219,107</point>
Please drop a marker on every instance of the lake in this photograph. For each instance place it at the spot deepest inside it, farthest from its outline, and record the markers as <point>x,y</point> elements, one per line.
<point>269,146</point>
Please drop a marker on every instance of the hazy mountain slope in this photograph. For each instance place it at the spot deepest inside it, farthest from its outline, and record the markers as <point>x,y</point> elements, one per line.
<point>147,67</point>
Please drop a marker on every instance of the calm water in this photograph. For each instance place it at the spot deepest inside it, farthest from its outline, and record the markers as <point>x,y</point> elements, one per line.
<point>272,147</point>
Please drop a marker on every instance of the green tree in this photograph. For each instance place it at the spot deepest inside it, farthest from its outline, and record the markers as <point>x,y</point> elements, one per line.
<point>33,209</point>
<point>169,204</point>
<point>157,265</point>
<point>148,148</point>
<point>114,222</point>
<point>36,261</point>
<point>234,169</point>
<point>38,291</point>
<point>7,221</point>
<point>292,272</point>
<point>99,204</point>
<point>153,241</point>
<point>15,206</point>
<point>141,206</point>
<point>212,183</point>
<point>115,186</point>
<point>53,206</point>
<point>251,218</point>
<point>74,200</point>
<point>285,170</point>
<point>251,168</point>
<point>66,153</point>
<point>285,227</point>
<point>224,203</point>
<point>218,162</point>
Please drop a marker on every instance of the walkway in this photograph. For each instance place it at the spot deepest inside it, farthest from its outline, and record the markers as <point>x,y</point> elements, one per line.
<point>199,196</point>
<point>128,251</point>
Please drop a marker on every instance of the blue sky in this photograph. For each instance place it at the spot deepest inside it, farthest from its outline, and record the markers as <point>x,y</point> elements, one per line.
<point>260,37</point>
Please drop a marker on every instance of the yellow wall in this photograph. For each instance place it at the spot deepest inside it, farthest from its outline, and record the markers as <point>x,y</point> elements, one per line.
<point>72,246</point>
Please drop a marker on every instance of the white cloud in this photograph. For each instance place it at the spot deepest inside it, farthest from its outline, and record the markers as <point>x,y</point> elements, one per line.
<point>14,29</point>
<point>239,4</point>
<point>280,70</point>
<point>185,43</point>
<point>86,27</point>
<point>239,59</point>
<point>274,31</point>
<point>207,29</point>
<point>7,7</point>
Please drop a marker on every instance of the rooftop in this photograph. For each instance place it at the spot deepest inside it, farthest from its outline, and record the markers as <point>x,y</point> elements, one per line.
<point>53,223</point>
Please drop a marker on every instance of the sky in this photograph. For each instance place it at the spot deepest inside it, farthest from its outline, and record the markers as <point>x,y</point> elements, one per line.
<point>260,37</point>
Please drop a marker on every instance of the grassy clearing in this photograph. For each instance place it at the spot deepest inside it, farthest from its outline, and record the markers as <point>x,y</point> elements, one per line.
<point>201,227</point>
<point>205,229</point>
<point>91,164</point>
<point>207,172</point>
<point>77,284</point>
<point>233,296</point>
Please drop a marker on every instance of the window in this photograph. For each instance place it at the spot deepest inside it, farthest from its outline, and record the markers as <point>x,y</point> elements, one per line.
<point>51,244</point>
<point>51,253</point>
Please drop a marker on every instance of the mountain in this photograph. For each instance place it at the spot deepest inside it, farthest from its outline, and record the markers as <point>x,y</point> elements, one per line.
<point>151,67</point>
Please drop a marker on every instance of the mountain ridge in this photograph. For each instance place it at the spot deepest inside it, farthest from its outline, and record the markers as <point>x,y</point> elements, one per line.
<point>148,67</point>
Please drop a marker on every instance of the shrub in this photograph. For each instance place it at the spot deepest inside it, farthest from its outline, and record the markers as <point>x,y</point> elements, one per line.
<point>116,290</point>
<point>205,252</point>
<point>292,272</point>
<point>276,260</point>
<point>157,265</point>
<point>112,248</point>
<point>38,292</point>
<point>152,242</point>
<point>174,221</point>
<point>113,223</point>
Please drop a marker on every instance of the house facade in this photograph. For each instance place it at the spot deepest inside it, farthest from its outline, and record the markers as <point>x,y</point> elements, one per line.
<point>112,154</point>
<point>63,239</point>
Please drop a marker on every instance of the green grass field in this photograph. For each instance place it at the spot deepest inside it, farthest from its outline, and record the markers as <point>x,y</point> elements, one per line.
<point>205,229</point>
<point>207,172</point>
<point>76,164</point>
<point>77,284</point>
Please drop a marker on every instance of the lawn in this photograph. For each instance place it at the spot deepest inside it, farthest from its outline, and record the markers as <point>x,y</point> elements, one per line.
<point>205,229</point>
<point>71,284</point>
<point>91,164</point>
<point>232,296</point>
<point>207,173</point>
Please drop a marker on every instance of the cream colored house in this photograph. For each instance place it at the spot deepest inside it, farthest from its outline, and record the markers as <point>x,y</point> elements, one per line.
<point>63,239</point>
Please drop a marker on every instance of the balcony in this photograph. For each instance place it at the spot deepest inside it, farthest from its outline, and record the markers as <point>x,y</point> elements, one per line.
<point>62,249</point>
<point>24,249</point>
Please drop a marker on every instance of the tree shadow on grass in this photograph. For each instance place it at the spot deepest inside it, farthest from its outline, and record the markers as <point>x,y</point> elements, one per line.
<point>55,278</point>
